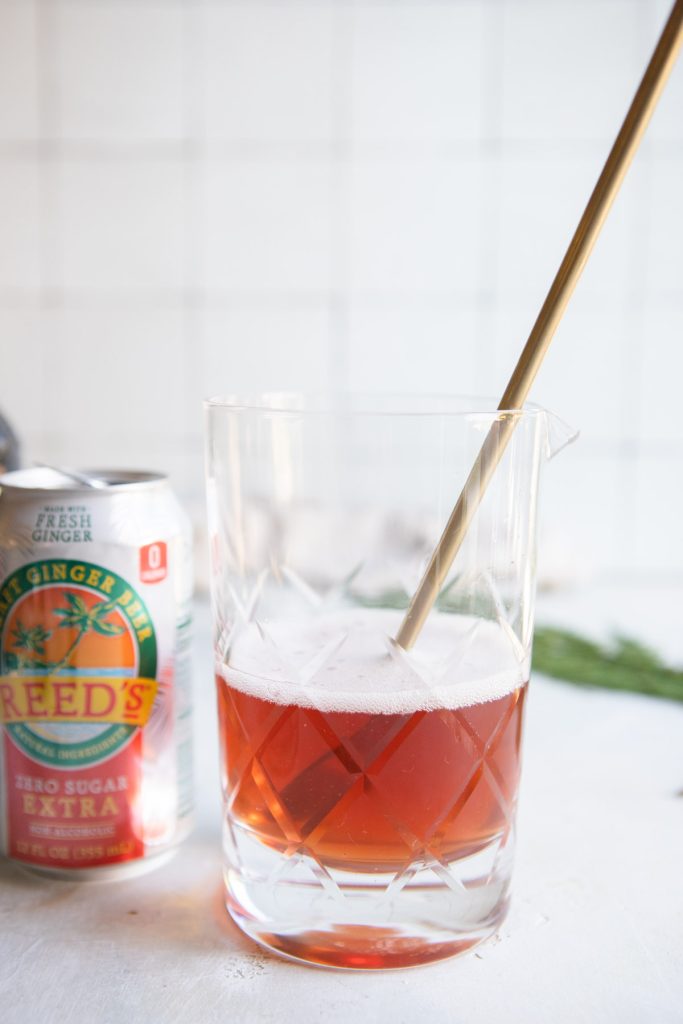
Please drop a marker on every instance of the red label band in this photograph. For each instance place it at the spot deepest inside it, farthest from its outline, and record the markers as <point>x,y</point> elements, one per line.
<point>82,818</point>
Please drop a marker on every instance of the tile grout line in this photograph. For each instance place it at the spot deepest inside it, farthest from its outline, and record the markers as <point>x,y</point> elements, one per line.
<point>193,148</point>
<point>491,98</point>
<point>48,123</point>
<point>339,300</point>
<point>212,298</point>
<point>194,171</point>
<point>50,294</point>
<point>633,321</point>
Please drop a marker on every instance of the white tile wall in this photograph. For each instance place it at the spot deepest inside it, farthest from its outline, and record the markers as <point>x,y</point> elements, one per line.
<point>657,547</point>
<point>119,70</point>
<point>413,224</point>
<point>436,349</point>
<point>617,265</point>
<point>18,73</point>
<point>268,225</point>
<point>577,379</point>
<point>660,420</point>
<point>585,521</point>
<point>252,350</point>
<point>20,224</point>
<point>541,199</point>
<point>269,73</point>
<point>416,72</point>
<point>22,356</point>
<point>664,239</point>
<point>211,195</point>
<point>122,224</point>
<point>137,388</point>
<point>569,68</point>
<point>666,121</point>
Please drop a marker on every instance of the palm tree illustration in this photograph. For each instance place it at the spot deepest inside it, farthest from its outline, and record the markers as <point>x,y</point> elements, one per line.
<point>30,639</point>
<point>84,620</point>
<point>76,616</point>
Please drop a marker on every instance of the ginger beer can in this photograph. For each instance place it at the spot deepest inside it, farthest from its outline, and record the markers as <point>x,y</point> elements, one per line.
<point>95,701</point>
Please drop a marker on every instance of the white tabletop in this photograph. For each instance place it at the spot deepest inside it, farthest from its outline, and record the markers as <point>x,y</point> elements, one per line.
<point>595,932</point>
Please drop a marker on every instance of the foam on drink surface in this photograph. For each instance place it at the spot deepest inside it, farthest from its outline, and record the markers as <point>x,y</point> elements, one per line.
<point>347,662</point>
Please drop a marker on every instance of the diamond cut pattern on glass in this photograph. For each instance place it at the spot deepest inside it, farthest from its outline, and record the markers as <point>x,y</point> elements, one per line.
<point>349,788</point>
<point>390,794</point>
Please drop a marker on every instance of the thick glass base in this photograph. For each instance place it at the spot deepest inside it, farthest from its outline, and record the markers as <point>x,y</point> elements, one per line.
<point>363,947</point>
<point>419,914</point>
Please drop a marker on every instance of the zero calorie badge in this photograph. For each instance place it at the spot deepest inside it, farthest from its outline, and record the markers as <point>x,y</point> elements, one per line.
<point>153,562</point>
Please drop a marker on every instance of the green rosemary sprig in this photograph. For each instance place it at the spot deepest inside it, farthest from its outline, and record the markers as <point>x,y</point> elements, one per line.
<point>623,665</point>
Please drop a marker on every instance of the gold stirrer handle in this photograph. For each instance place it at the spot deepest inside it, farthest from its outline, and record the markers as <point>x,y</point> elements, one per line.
<point>575,258</point>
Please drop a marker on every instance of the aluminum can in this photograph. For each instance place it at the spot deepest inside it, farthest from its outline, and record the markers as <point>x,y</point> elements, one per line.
<point>95,697</point>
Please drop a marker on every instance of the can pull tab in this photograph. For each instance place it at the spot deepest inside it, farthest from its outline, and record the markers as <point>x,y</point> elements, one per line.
<point>87,479</point>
